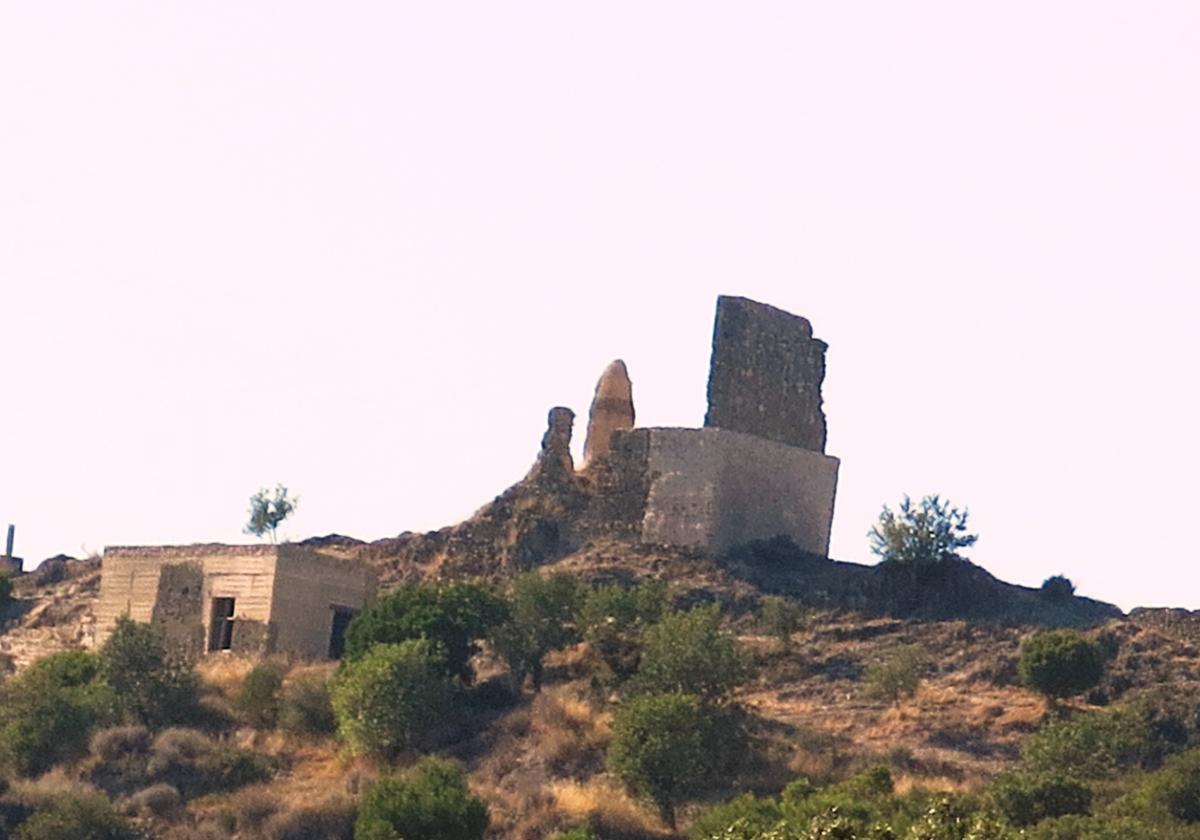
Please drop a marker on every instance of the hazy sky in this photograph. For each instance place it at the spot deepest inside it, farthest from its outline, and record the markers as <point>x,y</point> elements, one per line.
<point>361,248</point>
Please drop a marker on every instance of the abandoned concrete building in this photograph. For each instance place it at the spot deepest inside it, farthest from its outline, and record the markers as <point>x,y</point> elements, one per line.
<point>250,599</point>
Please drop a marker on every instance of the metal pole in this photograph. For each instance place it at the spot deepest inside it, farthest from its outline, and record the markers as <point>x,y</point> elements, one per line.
<point>11,531</point>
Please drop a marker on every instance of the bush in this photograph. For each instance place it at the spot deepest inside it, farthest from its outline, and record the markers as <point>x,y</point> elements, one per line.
<point>258,698</point>
<point>120,742</point>
<point>161,800</point>
<point>305,708</point>
<point>48,713</point>
<point>781,618</point>
<point>1058,588</point>
<point>195,765</point>
<point>1177,787</point>
<point>432,802</point>
<point>1096,745</point>
<point>151,687</point>
<point>541,612</point>
<point>579,832</point>
<point>452,616</point>
<point>331,820</point>
<point>921,535</point>
<point>1026,801</point>
<point>392,698</point>
<point>665,747</point>
<point>898,675</point>
<point>78,817</point>
<point>613,618</point>
<point>1060,663</point>
<point>687,653</point>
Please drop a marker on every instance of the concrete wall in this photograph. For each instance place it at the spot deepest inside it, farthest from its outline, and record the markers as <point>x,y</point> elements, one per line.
<point>308,587</point>
<point>715,488</point>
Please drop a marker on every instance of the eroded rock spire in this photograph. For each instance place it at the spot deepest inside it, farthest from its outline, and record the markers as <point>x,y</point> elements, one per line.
<point>611,411</point>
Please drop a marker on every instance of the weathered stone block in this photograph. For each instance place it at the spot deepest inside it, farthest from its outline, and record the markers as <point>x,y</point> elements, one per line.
<point>766,374</point>
<point>611,411</point>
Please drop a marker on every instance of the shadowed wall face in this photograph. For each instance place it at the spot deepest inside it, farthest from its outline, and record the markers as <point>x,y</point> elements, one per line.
<point>766,374</point>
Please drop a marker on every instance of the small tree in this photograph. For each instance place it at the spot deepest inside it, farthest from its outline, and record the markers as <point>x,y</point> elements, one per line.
<point>392,698</point>
<point>541,612</point>
<point>612,619</point>
<point>258,699</point>
<point>454,616</point>
<point>921,535</point>
<point>899,674</point>
<point>151,686</point>
<point>781,618</point>
<point>1060,663</point>
<point>432,802</point>
<point>662,749</point>
<point>687,652</point>
<point>48,713</point>
<point>1058,588</point>
<point>266,511</point>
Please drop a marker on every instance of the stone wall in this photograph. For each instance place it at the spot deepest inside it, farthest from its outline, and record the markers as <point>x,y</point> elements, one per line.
<point>766,374</point>
<point>715,488</point>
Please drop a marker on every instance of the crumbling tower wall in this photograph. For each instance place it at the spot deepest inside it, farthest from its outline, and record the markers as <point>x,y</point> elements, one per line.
<point>766,374</point>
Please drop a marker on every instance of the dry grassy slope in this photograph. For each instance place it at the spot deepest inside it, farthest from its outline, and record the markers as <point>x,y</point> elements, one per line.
<point>540,765</point>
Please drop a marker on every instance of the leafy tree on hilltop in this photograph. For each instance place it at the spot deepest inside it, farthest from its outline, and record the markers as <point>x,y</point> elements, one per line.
<point>266,512</point>
<point>921,535</point>
<point>688,652</point>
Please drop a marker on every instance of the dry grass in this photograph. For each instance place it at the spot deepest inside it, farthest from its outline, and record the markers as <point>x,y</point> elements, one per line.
<point>224,674</point>
<point>606,806</point>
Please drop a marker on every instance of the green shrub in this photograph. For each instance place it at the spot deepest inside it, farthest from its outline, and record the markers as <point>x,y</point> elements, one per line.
<point>151,686</point>
<point>541,612</point>
<point>1096,745</point>
<point>1058,588</point>
<point>1025,801</point>
<point>925,534</point>
<point>391,698</point>
<point>47,714</point>
<point>579,832</point>
<point>452,616</point>
<point>432,802</point>
<point>782,618</point>
<point>305,707</point>
<point>746,814</point>
<point>78,817</point>
<point>688,653</point>
<point>613,618</point>
<point>1176,787</point>
<point>119,742</point>
<point>1060,663</point>
<point>258,699</point>
<point>666,747</point>
<point>898,674</point>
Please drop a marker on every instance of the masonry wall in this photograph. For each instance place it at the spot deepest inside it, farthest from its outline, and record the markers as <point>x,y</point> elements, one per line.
<point>308,587</point>
<point>715,488</point>
<point>766,374</point>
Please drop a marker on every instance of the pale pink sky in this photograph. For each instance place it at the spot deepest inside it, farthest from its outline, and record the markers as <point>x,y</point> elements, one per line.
<point>361,248</point>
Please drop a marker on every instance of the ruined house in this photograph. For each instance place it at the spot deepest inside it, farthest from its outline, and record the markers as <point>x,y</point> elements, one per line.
<point>249,599</point>
<point>756,469</point>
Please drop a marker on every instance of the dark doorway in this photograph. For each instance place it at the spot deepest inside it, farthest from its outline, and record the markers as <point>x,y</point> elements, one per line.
<point>221,632</point>
<point>342,616</point>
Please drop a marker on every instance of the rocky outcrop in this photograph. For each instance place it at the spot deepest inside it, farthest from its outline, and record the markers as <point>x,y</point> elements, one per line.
<point>611,411</point>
